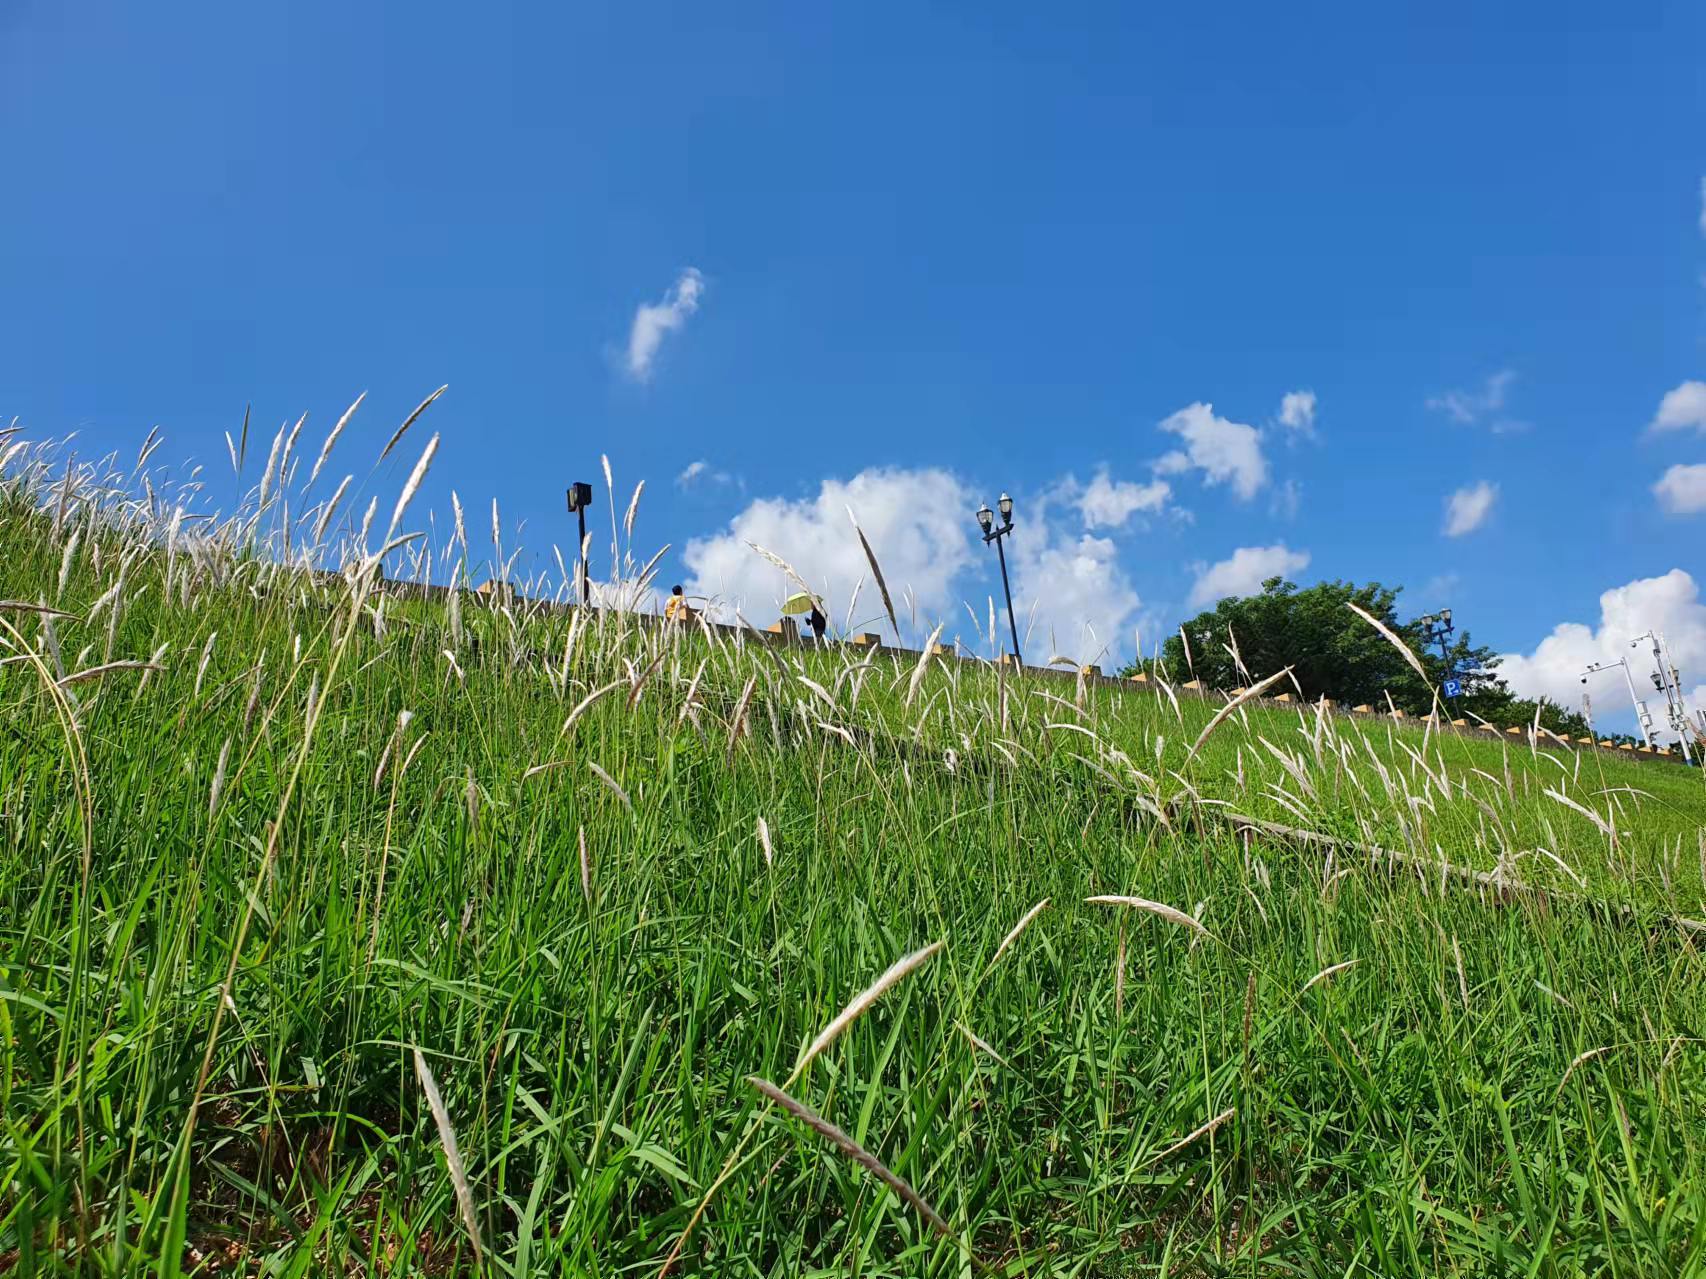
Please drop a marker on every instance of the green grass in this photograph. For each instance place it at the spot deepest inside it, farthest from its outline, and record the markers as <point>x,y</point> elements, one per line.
<point>1415,1113</point>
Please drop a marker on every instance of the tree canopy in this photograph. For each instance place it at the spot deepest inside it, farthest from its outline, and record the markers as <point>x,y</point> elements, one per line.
<point>1336,654</point>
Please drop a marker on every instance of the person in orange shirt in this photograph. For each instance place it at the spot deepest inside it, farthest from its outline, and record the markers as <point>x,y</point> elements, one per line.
<point>676,608</point>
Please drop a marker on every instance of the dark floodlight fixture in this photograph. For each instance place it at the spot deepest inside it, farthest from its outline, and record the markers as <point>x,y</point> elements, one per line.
<point>580,497</point>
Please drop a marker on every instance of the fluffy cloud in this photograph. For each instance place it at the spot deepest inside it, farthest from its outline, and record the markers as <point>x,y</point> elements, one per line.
<point>652,320</point>
<point>1110,503</point>
<point>1681,408</point>
<point>1226,452</point>
<point>1485,405</point>
<point>1297,412</point>
<point>1070,593</point>
<point>1682,489</point>
<point>917,522</point>
<point>702,472</point>
<point>1669,604</point>
<point>1245,571</point>
<point>1467,509</point>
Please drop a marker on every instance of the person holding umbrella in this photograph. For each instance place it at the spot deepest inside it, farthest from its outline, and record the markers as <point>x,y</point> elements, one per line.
<point>804,603</point>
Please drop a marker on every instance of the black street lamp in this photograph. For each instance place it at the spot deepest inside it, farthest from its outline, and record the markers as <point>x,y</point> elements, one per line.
<point>1439,630</point>
<point>986,521</point>
<point>580,497</point>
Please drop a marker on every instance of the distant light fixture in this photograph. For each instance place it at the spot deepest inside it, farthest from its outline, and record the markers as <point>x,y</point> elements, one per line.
<point>1445,616</point>
<point>1006,505</point>
<point>985,517</point>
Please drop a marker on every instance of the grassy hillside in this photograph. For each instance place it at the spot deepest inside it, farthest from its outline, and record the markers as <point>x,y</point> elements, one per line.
<point>589,880</point>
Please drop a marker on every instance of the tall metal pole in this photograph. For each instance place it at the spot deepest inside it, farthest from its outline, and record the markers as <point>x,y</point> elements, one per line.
<point>1640,710</point>
<point>1674,699</point>
<point>586,583</point>
<point>1012,622</point>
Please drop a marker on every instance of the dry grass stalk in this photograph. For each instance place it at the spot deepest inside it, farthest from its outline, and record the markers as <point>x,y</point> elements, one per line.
<point>452,1155</point>
<point>587,701</point>
<point>1392,639</point>
<point>410,488</point>
<point>1595,818</point>
<point>633,507</point>
<point>612,783</point>
<point>779,562</point>
<point>106,668</point>
<point>877,572</point>
<point>332,439</point>
<point>408,422</point>
<point>1325,973</point>
<point>923,664</point>
<point>218,779</point>
<point>586,864</point>
<point>1169,913</point>
<point>854,1151</point>
<point>1255,690</point>
<point>980,1045</point>
<point>738,719</point>
<point>1018,928</point>
<point>1581,1059</point>
<point>764,841</point>
<point>894,974</point>
<point>1194,1135</point>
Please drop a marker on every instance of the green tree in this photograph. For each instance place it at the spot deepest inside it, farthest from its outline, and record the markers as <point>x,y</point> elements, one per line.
<point>1336,654</point>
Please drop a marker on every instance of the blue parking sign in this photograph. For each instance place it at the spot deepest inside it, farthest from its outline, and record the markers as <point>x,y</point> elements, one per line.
<point>1452,688</point>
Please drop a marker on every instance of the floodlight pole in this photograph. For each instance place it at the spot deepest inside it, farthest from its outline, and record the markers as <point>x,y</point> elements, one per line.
<point>986,521</point>
<point>1670,684</point>
<point>1679,716</point>
<point>1641,715</point>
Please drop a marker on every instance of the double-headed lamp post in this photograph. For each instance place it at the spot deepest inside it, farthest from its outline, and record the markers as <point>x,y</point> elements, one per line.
<point>986,521</point>
<point>1437,629</point>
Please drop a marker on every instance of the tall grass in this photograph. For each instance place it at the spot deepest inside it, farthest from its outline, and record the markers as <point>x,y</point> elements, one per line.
<point>342,933</point>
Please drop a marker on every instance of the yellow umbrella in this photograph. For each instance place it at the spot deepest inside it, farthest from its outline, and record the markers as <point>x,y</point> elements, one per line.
<point>798,603</point>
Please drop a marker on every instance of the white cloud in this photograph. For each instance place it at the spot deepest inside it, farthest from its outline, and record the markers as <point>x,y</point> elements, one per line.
<point>1287,498</point>
<point>701,472</point>
<point>1682,407</point>
<point>1245,571</point>
<point>1110,503</point>
<point>1226,452</point>
<point>653,320</point>
<point>1071,595</point>
<point>1472,407</point>
<point>1297,413</point>
<point>1669,604</point>
<point>1682,489</point>
<point>918,522</point>
<point>1467,509</point>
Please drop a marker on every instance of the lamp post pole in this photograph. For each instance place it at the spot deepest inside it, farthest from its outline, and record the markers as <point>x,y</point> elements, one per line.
<point>1438,629</point>
<point>986,521</point>
<point>580,497</point>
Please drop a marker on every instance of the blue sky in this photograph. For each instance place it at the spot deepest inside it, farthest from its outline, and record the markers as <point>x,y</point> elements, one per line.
<point>912,256</point>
